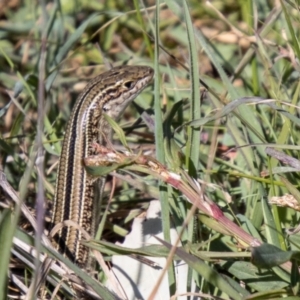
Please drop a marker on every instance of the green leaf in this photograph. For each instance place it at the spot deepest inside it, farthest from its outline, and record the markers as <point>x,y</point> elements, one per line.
<point>268,256</point>
<point>252,277</point>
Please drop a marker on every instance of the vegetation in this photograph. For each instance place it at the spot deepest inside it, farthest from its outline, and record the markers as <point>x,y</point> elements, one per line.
<point>203,138</point>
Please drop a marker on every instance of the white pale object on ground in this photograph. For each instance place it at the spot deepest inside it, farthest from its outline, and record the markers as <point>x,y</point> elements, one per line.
<point>138,279</point>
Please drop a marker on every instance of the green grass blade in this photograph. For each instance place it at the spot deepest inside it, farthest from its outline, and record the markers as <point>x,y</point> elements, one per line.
<point>193,142</point>
<point>6,237</point>
<point>63,51</point>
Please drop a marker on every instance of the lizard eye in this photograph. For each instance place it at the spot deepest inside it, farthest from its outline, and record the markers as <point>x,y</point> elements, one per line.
<point>129,84</point>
